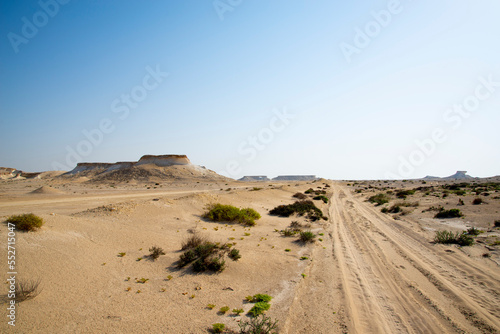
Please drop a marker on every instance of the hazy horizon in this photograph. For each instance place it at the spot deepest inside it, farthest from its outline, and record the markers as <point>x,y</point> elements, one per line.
<point>364,90</point>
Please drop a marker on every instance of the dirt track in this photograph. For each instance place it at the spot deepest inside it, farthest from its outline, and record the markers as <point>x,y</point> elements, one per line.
<point>396,281</point>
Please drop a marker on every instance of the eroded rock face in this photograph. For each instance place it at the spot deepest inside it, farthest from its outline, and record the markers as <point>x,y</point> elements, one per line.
<point>157,160</point>
<point>164,160</point>
<point>295,178</point>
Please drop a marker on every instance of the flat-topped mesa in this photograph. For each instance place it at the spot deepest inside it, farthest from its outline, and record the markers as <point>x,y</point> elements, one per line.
<point>295,178</point>
<point>164,160</point>
<point>250,178</point>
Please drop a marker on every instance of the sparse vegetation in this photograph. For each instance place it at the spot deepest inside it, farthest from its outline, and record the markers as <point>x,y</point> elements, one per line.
<point>321,197</point>
<point>26,289</point>
<point>379,199</point>
<point>300,208</point>
<point>121,254</point>
<point>238,311</point>
<point>474,231</point>
<point>26,222</point>
<point>211,306</point>
<point>258,325</point>
<point>193,241</point>
<point>448,237</point>
<point>477,201</point>
<point>234,254</point>
<point>259,308</point>
<point>142,280</point>
<point>288,232</point>
<point>299,196</point>
<point>496,223</point>
<point>404,193</point>
<point>208,256</point>
<point>218,328</point>
<point>156,252</point>
<point>307,236</point>
<point>452,213</point>
<point>220,212</point>
<point>224,309</point>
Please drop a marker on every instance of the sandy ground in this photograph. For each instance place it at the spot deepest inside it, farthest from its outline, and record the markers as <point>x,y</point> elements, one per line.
<point>370,273</point>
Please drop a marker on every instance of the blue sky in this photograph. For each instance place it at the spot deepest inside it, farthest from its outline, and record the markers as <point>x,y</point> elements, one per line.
<point>370,87</point>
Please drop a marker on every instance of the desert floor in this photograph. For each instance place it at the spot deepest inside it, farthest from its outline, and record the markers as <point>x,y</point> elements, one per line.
<point>367,271</point>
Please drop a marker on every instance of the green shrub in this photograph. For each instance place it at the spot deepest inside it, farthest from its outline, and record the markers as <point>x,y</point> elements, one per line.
<point>220,212</point>
<point>238,311</point>
<point>321,197</point>
<point>234,254</point>
<point>207,256</point>
<point>404,193</point>
<point>258,325</point>
<point>309,191</point>
<point>460,192</point>
<point>445,237</point>
<point>224,309</point>
<point>26,222</point>
<point>260,297</point>
<point>218,327</point>
<point>259,308</point>
<point>474,231</point>
<point>307,236</point>
<point>288,232</point>
<point>299,207</point>
<point>379,199</point>
<point>452,213</point>
<point>156,252</point>
<point>448,237</point>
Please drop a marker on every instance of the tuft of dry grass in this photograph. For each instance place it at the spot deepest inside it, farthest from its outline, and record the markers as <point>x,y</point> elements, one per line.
<point>27,289</point>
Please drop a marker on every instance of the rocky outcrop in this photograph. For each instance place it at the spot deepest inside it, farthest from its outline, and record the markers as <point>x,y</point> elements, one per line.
<point>459,175</point>
<point>254,178</point>
<point>164,160</point>
<point>295,178</point>
<point>157,160</point>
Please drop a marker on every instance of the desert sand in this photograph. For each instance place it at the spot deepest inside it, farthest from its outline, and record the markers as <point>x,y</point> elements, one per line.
<point>367,271</point>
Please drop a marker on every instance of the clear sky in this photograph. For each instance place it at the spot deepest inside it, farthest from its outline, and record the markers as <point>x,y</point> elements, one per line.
<point>341,89</point>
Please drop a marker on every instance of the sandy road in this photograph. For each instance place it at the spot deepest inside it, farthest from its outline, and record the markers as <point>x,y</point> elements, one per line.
<point>395,281</point>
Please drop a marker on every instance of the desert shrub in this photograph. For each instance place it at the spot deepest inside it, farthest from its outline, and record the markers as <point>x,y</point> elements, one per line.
<point>465,240</point>
<point>408,204</point>
<point>461,202</point>
<point>309,191</point>
<point>193,241</point>
<point>238,311</point>
<point>234,254</point>
<point>299,207</point>
<point>26,289</point>
<point>321,197</point>
<point>288,232</point>
<point>259,308</point>
<point>448,237</point>
<point>445,237</point>
<point>307,236</point>
<point>156,252</point>
<point>261,297</point>
<point>26,222</point>
<point>256,189</point>
<point>220,212</point>
<point>497,223</point>
<point>300,196</point>
<point>218,328</point>
<point>394,209</point>
<point>404,193</point>
<point>379,199</point>
<point>477,201</point>
<point>460,192</point>
<point>224,309</point>
<point>208,256</point>
<point>258,325</point>
<point>452,213</point>
<point>474,231</point>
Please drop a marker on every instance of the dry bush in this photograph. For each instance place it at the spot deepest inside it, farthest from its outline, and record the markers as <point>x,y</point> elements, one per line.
<point>27,289</point>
